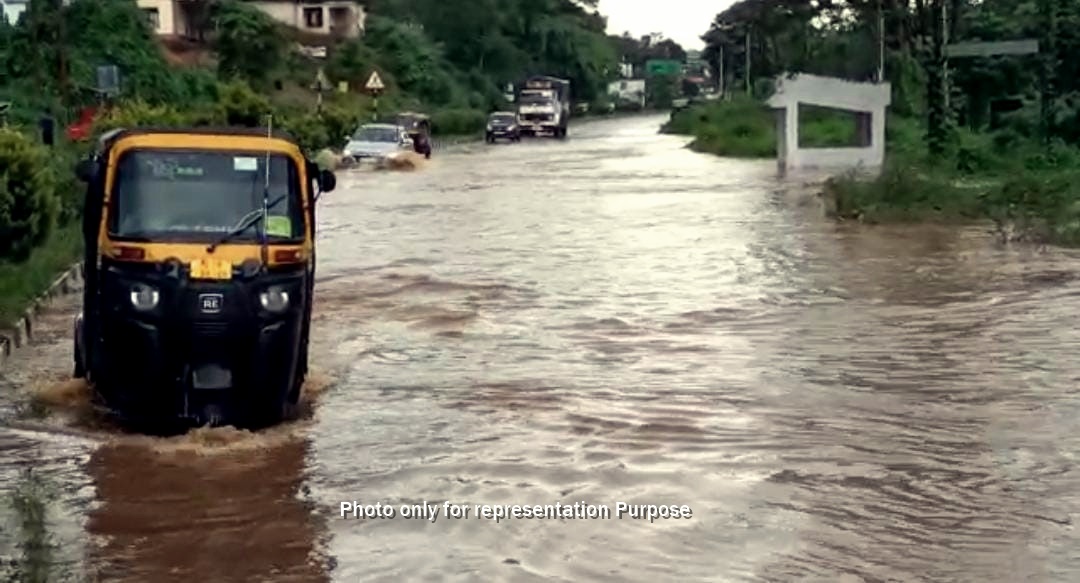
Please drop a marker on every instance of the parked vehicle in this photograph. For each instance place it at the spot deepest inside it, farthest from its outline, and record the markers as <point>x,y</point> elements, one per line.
<point>377,141</point>
<point>544,106</point>
<point>199,273</point>
<point>418,126</point>
<point>80,130</point>
<point>503,124</point>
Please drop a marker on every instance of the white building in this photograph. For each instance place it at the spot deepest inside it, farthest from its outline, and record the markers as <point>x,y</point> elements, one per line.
<point>11,10</point>
<point>340,18</point>
<point>628,91</point>
<point>167,17</point>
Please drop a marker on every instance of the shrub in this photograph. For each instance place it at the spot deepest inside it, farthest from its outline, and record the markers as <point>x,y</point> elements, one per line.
<point>340,122</point>
<point>239,105</point>
<point>901,192</point>
<point>29,205</point>
<point>138,113</point>
<point>308,129</point>
<point>69,190</point>
<point>458,121</point>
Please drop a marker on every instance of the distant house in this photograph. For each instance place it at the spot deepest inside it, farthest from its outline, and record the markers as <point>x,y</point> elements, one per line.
<point>11,10</point>
<point>628,91</point>
<point>167,17</point>
<point>339,18</point>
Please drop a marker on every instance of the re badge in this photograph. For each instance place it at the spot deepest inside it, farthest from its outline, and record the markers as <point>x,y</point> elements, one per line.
<point>210,303</point>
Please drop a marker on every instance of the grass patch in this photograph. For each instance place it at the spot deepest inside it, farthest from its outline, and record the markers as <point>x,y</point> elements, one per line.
<point>1029,190</point>
<point>821,127</point>
<point>745,128</point>
<point>21,282</point>
<point>903,193</point>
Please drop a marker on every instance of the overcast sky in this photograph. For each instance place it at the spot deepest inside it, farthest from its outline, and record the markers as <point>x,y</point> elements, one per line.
<point>680,20</point>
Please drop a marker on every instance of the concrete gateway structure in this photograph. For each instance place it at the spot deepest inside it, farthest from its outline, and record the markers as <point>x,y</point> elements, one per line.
<point>867,100</point>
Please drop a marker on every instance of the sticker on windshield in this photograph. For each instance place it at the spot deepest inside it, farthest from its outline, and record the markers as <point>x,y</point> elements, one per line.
<point>245,164</point>
<point>279,226</point>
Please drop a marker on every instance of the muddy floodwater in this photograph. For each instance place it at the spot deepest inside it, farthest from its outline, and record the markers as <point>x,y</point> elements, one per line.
<point>610,319</point>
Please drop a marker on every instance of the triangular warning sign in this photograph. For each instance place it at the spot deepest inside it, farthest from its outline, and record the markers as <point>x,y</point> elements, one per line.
<point>321,82</point>
<point>374,82</point>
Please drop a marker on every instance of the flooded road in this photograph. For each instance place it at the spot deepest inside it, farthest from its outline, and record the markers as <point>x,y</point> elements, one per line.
<point>610,319</point>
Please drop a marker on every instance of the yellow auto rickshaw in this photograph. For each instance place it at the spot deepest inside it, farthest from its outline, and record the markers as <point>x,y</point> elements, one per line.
<point>199,269</point>
<point>418,126</point>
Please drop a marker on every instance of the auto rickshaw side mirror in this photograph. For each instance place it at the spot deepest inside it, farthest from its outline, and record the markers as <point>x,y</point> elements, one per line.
<point>86,170</point>
<point>327,181</point>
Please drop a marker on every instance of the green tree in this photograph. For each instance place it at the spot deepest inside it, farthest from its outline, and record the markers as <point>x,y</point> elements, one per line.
<point>28,202</point>
<point>249,43</point>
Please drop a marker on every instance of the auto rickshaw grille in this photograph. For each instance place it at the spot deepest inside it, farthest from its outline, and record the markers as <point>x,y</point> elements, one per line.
<point>210,330</point>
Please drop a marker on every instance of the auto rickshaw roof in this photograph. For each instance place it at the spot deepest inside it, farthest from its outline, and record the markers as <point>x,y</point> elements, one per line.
<point>108,139</point>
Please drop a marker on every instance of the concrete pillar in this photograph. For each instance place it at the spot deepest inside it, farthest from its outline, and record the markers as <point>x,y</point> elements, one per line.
<point>781,138</point>
<point>877,145</point>
<point>864,131</point>
<point>791,137</point>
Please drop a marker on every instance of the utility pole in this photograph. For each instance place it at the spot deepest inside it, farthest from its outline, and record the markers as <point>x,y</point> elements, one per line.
<point>61,52</point>
<point>881,44</point>
<point>748,60</point>
<point>721,71</point>
<point>935,122</point>
<point>945,55</point>
<point>1048,70</point>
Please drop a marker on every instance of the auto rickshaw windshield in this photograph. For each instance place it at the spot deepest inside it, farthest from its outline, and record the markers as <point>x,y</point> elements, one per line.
<point>199,196</point>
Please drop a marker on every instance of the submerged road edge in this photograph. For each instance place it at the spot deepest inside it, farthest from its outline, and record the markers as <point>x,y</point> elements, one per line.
<point>21,333</point>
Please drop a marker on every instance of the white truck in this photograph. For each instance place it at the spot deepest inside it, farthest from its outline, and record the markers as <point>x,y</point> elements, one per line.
<point>544,106</point>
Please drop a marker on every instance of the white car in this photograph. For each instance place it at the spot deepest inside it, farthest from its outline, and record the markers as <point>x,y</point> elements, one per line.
<point>378,141</point>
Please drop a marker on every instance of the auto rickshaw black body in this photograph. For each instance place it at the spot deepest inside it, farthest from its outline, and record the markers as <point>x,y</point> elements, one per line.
<point>418,127</point>
<point>199,271</point>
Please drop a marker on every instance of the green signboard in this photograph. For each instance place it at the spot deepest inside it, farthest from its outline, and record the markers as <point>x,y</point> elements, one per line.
<point>663,67</point>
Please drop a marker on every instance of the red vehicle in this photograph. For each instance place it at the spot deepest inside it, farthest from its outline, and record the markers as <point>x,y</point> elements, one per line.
<point>80,130</point>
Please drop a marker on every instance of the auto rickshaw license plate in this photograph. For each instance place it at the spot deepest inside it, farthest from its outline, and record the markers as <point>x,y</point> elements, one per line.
<point>211,269</point>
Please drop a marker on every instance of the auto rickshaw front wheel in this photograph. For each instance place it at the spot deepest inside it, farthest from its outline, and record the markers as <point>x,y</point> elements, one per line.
<point>266,411</point>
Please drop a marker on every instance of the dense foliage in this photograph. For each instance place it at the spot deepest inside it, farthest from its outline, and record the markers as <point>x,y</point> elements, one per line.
<point>841,38</point>
<point>989,137</point>
<point>500,41</point>
<point>29,204</point>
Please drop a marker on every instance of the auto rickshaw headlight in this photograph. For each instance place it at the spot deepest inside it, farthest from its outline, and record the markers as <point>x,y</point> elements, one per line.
<point>274,299</point>
<point>144,297</point>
